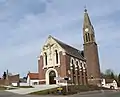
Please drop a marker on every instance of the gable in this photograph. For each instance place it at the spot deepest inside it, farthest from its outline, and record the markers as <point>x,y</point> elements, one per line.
<point>51,44</point>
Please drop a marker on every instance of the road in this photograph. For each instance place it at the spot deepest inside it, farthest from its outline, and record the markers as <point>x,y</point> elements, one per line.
<point>99,94</point>
<point>103,94</point>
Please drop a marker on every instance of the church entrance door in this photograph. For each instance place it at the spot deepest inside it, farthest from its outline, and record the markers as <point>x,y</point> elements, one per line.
<point>52,75</point>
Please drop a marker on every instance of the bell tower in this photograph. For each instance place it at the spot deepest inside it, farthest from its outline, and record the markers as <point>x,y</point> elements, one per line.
<point>91,51</point>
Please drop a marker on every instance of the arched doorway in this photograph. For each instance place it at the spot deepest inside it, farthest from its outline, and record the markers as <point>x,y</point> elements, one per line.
<point>52,75</point>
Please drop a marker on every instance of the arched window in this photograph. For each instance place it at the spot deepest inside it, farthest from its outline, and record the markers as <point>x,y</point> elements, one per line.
<point>84,38</point>
<point>45,58</point>
<point>73,69</point>
<point>56,54</point>
<point>72,61</point>
<point>81,65</point>
<point>73,66</point>
<point>77,67</point>
<point>88,37</point>
<point>92,37</point>
<point>85,66</point>
<point>77,63</point>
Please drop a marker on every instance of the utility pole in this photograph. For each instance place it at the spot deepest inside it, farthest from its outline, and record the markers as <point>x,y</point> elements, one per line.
<point>7,78</point>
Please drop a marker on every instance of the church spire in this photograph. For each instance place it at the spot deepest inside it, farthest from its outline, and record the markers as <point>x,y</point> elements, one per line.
<point>87,21</point>
<point>88,30</point>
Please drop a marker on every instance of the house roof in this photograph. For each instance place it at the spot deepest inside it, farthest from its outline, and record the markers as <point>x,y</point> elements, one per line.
<point>33,76</point>
<point>70,50</point>
<point>14,78</point>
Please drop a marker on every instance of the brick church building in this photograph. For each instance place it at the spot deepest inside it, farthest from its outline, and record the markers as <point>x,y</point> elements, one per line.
<point>58,60</point>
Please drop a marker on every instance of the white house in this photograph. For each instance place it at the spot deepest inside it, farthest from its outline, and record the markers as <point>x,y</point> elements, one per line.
<point>32,79</point>
<point>109,83</point>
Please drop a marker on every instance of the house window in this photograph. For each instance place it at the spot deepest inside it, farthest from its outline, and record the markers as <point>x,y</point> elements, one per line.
<point>56,53</point>
<point>34,83</point>
<point>45,58</point>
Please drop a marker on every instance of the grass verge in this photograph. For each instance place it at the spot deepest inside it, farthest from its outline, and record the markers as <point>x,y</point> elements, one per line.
<point>73,89</point>
<point>2,88</point>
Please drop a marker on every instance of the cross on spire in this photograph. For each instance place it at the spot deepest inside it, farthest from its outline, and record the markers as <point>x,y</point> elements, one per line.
<point>85,9</point>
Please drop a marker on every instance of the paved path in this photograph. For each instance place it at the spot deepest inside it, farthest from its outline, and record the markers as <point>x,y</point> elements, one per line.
<point>98,94</point>
<point>29,90</point>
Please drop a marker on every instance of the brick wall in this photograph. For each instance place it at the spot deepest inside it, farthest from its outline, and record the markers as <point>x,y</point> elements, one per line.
<point>40,68</point>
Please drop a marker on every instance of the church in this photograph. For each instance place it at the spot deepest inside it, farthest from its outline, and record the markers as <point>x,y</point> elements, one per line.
<point>60,63</point>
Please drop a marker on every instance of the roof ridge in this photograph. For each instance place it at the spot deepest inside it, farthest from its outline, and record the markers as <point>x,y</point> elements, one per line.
<point>69,49</point>
<point>66,44</point>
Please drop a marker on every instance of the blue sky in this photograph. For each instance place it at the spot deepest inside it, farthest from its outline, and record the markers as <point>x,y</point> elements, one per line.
<point>26,24</point>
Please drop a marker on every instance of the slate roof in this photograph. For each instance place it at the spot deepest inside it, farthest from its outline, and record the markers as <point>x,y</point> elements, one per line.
<point>70,50</point>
